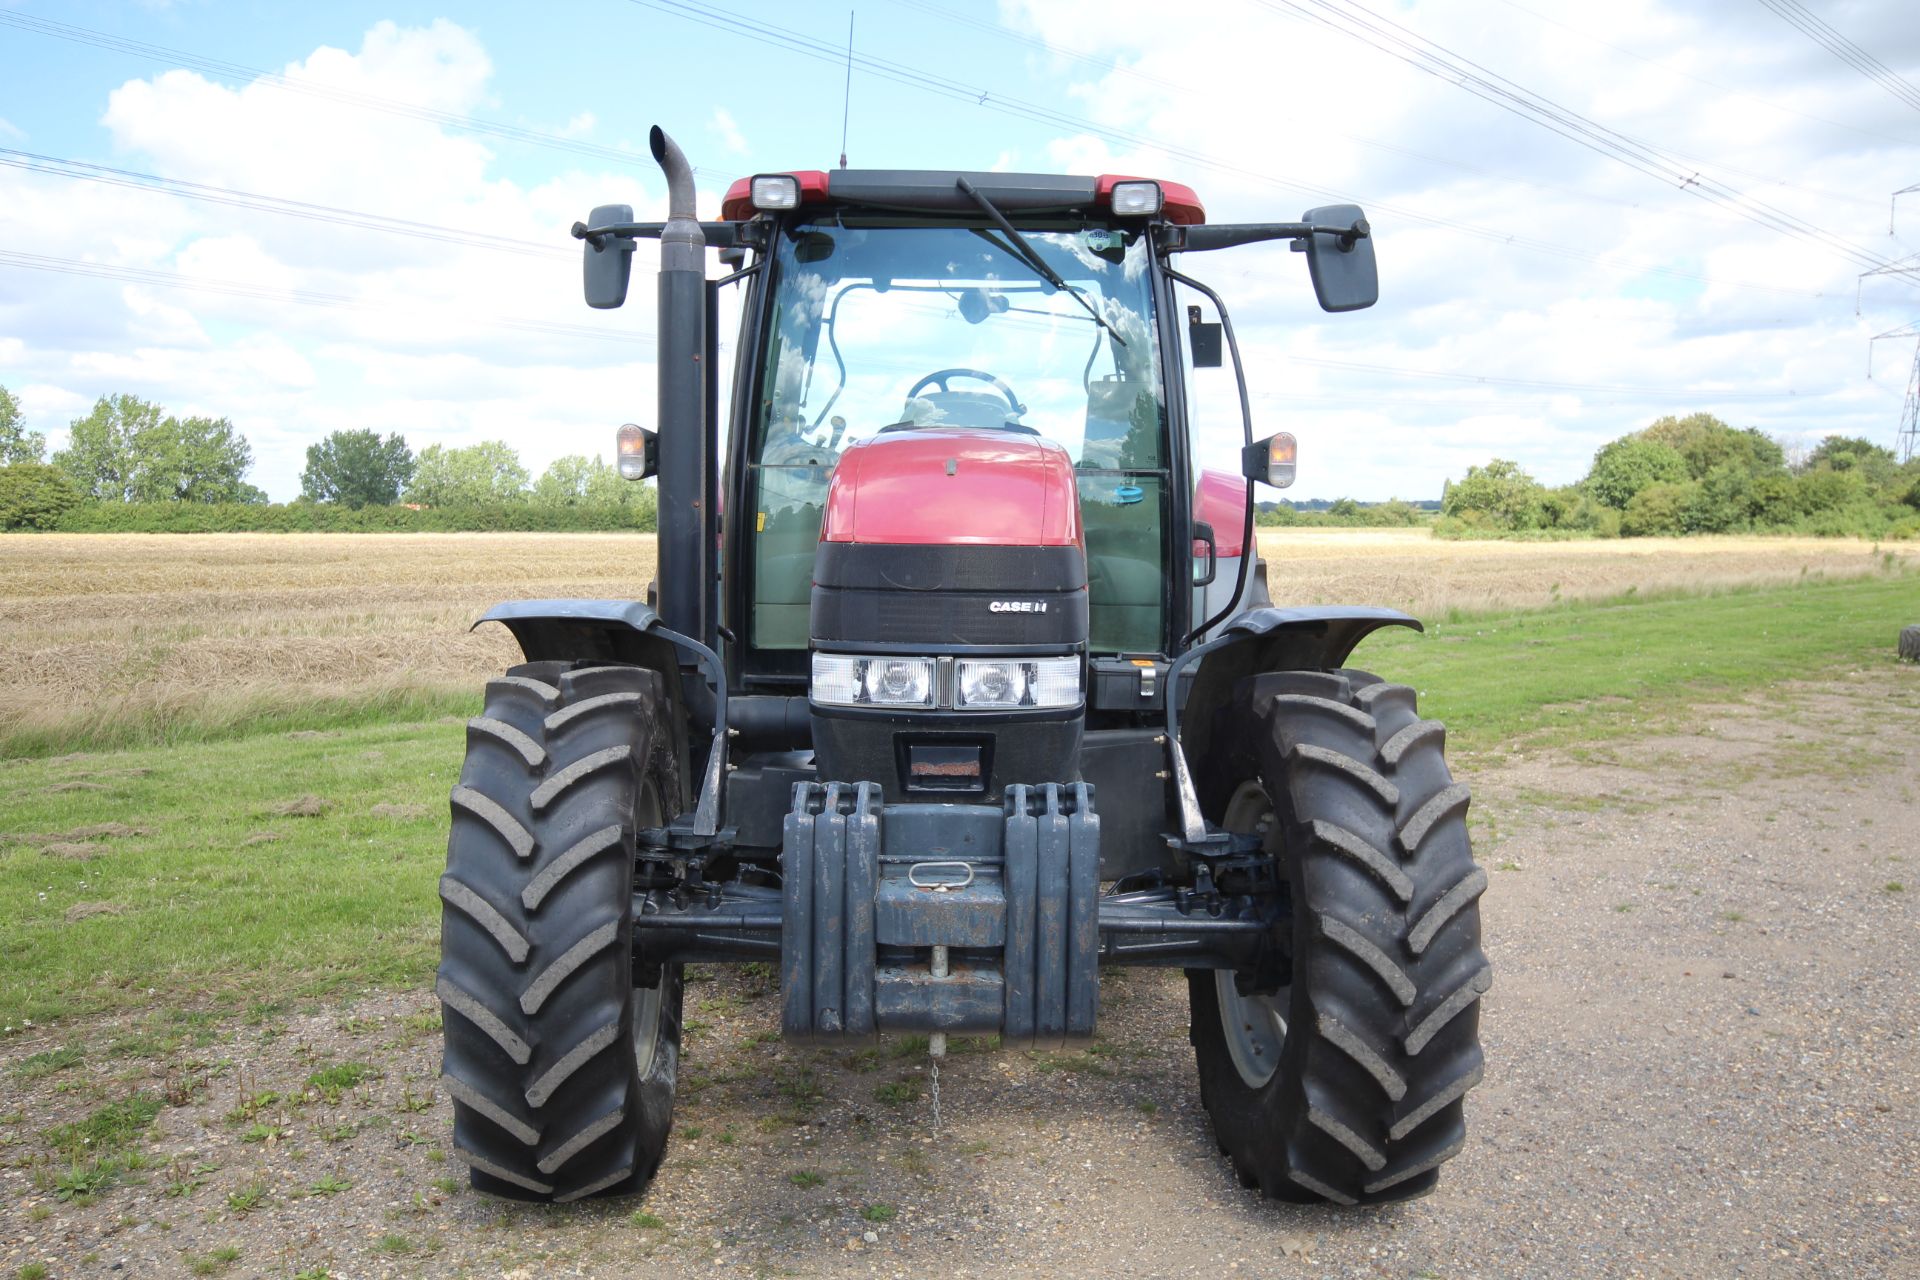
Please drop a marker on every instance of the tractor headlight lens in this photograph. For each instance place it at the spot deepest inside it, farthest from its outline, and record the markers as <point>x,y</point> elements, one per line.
<point>775,191</point>
<point>1136,199</point>
<point>872,682</point>
<point>899,682</point>
<point>978,684</point>
<point>990,684</point>
<point>987,683</point>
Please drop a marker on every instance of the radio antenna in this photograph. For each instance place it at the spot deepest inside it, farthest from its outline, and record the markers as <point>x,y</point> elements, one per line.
<point>846,97</point>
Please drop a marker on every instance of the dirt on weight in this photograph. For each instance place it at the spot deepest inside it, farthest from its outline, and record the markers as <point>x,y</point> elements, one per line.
<point>1700,1042</point>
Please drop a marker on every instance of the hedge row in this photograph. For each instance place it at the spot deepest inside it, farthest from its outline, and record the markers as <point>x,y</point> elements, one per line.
<point>319,517</point>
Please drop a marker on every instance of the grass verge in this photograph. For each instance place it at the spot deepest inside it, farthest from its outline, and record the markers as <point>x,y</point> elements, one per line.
<point>1601,669</point>
<point>250,870</point>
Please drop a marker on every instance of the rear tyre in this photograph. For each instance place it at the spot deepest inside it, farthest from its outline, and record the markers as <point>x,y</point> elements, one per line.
<point>1345,1081</point>
<point>561,1068</point>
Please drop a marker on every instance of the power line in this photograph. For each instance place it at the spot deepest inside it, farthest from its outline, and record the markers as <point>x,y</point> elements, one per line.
<point>806,46</point>
<point>294,84</point>
<point>1389,37</point>
<point>83,171</point>
<point>1656,63</point>
<point>304,297</point>
<point>1112,66</point>
<point>1797,16</point>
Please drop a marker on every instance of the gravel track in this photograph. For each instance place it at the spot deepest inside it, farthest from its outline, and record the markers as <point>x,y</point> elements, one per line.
<point>1700,1044</point>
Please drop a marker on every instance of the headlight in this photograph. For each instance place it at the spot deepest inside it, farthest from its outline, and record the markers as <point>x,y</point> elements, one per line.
<point>977,684</point>
<point>984,683</point>
<point>872,682</point>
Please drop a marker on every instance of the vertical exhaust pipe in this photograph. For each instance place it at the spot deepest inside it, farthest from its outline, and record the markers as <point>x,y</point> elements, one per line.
<point>687,535</point>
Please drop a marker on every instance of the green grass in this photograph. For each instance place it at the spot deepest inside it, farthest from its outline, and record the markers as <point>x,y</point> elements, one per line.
<point>109,1128</point>
<point>41,1065</point>
<point>120,728</point>
<point>332,1082</point>
<point>1602,669</point>
<point>346,900</point>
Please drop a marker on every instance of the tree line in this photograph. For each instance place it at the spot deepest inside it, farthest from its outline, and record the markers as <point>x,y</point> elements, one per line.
<point>1696,475</point>
<point>130,465</point>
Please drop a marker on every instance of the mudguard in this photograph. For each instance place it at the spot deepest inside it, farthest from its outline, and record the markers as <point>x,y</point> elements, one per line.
<point>577,630</point>
<point>629,632</point>
<point>1268,638</point>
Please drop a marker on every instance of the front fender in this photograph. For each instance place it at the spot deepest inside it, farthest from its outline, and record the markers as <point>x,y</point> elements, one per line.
<point>1306,637</point>
<point>582,630</point>
<point>1263,639</point>
<point>626,631</point>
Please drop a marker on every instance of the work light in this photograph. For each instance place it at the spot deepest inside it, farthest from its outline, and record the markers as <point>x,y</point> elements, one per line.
<point>1136,199</point>
<point>775,191</point>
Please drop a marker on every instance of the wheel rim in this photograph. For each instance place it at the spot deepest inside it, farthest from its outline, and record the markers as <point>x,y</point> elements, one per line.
<point>644,1002</point>
<point>1255,1026</point>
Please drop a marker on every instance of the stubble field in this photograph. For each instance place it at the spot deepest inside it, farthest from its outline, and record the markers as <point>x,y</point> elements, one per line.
<point>123,639</point>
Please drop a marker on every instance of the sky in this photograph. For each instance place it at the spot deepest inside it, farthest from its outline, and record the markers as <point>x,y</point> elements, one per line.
<point>1539,297</point>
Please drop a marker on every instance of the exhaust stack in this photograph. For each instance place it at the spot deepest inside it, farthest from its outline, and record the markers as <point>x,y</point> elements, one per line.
<point>687,430</point>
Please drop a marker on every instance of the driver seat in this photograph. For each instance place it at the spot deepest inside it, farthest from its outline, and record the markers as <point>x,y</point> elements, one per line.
<point>959,409</point>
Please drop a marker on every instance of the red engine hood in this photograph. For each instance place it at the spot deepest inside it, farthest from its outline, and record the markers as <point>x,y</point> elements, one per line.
<point>954,485</point>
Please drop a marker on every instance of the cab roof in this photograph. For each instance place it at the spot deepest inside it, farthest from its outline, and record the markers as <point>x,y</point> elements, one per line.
<point>933,191</point>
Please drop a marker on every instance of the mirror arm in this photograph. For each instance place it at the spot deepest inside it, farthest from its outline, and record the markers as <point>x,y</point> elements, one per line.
<point>1203,239</point>
<point>720,235</point>
<point>1246,434</point>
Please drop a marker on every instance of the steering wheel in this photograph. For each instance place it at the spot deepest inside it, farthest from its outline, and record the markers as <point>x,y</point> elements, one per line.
<point>938,378</point>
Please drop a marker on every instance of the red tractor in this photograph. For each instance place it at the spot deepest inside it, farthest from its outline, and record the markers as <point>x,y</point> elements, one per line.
<point>957,683</point>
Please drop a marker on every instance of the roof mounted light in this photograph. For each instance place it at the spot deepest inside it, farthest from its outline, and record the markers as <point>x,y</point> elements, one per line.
<point>775,191</point>
<point>1136,199</point>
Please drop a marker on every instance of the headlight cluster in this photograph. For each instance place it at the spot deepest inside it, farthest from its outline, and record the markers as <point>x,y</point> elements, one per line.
<point>963,684</point>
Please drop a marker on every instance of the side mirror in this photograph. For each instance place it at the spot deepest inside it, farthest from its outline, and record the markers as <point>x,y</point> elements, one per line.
<point>1270,461</point>
<point>1344,275</point>
<point>1205,339</point>
<point>608,265</point>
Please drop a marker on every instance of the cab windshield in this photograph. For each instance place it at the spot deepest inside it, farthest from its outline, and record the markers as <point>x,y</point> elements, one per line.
<point>882,328</point>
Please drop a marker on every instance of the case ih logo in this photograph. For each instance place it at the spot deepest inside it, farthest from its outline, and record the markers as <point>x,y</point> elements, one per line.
<point>1017,606</point>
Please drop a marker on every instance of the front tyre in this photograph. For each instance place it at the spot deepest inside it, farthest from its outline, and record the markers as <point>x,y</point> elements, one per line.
<point>561,1067</point>
<point>1344,1081</point>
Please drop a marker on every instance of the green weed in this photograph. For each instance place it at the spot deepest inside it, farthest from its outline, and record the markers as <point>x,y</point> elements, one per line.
<point>41,1065</point>
<point>333,1081</point>
<point>247,1197</point>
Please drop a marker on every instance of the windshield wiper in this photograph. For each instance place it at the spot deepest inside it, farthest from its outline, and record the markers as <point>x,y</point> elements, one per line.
<point>1032,258</point>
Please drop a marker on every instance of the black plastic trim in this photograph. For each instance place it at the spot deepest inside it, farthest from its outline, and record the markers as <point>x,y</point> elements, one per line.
<point>942,567</point>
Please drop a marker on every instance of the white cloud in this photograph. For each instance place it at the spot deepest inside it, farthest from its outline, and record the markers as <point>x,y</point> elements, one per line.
<point>1577,298</point>
<point>298,327</point>
<point>728,131</point>
<point>11,131</point>
<point>1571,297</point>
